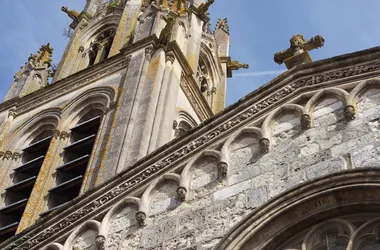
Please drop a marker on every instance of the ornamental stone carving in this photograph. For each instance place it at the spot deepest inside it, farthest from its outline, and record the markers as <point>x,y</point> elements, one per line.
<point>349,112</point>
<point>264,145</point>
<point>140,218</point>
<point>100,242</point>
<point>305,121</point>
<point>298,51</point>
<point>222,24</point>
<point>64,135</point>
<point>169,57</point>
<point>223,169</point>
<point>181,192</point>
<point>149,52</point>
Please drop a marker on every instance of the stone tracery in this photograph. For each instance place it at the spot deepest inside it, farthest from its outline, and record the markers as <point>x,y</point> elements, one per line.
<point>354,232</point>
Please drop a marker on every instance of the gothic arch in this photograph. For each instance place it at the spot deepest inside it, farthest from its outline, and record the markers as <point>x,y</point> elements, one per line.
<point>207,70</point>
<point>186,172</point>
<point>107,25</point>
<point>337,93</point>
<point>107,22</point>
<point>207,55</point>
<point>146,197</point>
<point>225,153</point>
<point>305,206</point>
<point>266,141</point>
<point>45,120</point>
<point>116,208</point>
<point>88,225</point>
<point>369,232</point>
<point>99,98</point>
<point>353,96</point>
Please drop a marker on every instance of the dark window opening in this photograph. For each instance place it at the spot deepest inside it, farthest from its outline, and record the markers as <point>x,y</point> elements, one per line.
<point>70,175</point>
<point>24,178</point>
<point>102,44</point>
<point>92,54</point>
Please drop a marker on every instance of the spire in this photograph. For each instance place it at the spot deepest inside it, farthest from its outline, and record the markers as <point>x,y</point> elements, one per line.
<point>222,24</point>
<point>298,53</point>
<point>34,74</point>
<point>42,57</point>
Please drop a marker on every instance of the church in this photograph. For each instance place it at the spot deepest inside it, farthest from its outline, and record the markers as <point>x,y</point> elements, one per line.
<point>129,145</point>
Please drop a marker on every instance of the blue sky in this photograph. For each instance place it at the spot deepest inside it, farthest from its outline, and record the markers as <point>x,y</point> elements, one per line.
<point>259,28</point>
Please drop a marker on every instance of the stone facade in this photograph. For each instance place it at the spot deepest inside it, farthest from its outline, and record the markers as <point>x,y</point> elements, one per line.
<point>293,165</point>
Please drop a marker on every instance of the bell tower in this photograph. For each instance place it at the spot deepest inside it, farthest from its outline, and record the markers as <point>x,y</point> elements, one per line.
<point>178,65</point>
<point>135,75</point>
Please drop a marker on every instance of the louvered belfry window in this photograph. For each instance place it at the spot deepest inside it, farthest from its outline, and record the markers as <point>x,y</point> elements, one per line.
<point>70,175</point>
<point>24,177</point>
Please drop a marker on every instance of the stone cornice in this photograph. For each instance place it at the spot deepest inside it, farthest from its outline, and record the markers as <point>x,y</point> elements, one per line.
<point>318,75</point>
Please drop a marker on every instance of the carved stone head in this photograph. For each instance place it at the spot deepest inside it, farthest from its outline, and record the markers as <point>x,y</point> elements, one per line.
<point>141,217</point>
<point>305,121</point>
<point>264,145</point>
<point>100,242</point>
<point>181,192</point>
<point>297,41</point>
<point>349,112</point>
<point>223,169</point>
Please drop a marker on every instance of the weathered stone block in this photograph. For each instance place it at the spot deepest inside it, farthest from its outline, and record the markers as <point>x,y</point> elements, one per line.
<point>231,191</point>
<point>257,197</point>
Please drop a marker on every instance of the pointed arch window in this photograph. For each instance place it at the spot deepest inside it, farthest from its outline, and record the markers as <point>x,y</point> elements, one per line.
<point>25,176</point>
<point>101,47</point>
<point>70,175</point>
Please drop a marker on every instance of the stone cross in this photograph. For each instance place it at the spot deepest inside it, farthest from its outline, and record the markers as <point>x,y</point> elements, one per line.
<point>298,53</point>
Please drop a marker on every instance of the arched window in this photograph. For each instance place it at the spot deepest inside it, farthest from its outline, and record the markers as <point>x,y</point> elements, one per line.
<point>101,47</point>
<point>356,232</point>
<point>25,176</point>
<point>203,77</point>
<point>93,51</point>
<point>70,175</point>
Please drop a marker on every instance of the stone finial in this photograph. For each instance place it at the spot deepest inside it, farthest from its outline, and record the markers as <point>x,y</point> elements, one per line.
<point>42,57</point>
<point>298,53</point>
<point>222,24</point>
